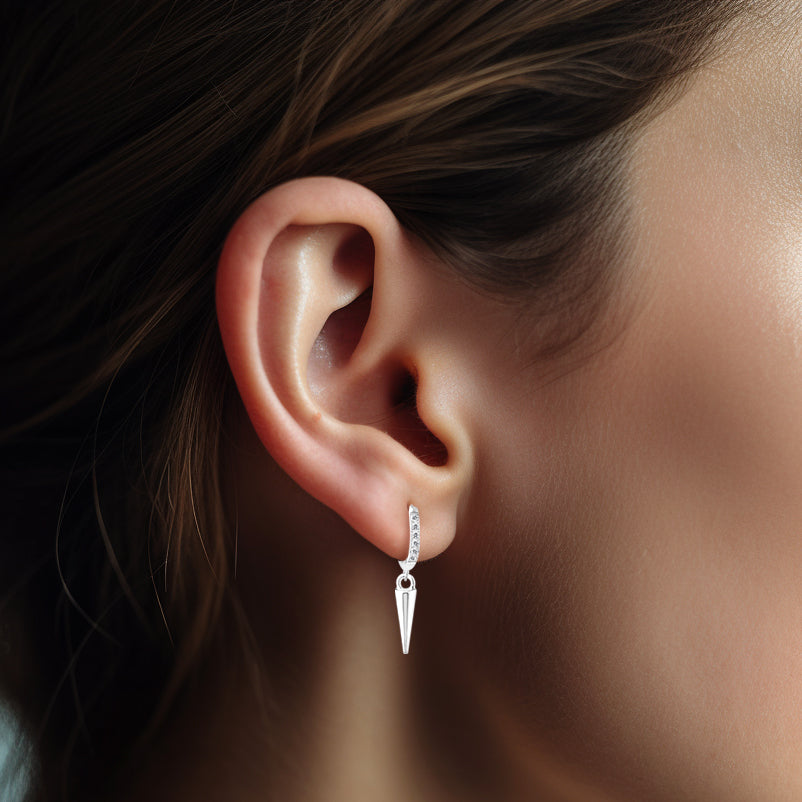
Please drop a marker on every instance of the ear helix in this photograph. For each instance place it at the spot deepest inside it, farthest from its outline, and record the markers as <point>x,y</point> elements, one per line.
<point>406,594</point>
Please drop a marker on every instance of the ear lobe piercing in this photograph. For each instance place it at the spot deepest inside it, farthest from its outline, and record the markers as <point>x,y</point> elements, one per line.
<point>405,590</point>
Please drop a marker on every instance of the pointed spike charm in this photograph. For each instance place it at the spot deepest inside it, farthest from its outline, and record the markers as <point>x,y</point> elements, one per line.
<point>405,602</point>
<point>405,590</point>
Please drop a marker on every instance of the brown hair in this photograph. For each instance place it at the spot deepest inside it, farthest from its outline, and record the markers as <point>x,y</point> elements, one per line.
<point>134,134</point>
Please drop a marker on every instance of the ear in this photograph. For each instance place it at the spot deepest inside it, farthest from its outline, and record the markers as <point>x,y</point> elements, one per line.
<point>322,302</point>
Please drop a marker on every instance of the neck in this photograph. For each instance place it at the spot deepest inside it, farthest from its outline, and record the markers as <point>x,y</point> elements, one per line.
<point>334,710</point>
<point>353,732</point>
<point>323,719</point>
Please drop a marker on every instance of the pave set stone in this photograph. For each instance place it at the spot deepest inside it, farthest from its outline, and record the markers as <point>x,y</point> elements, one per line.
<point>414,546</point>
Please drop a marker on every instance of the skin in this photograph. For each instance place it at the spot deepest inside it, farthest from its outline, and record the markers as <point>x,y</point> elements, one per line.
<point>614,608</point>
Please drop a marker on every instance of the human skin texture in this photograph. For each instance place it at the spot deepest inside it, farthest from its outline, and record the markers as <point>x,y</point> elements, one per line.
<point>654,493</point>
<point>614,611</point>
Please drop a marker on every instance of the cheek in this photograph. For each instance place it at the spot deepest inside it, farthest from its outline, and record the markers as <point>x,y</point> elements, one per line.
<point>695,644</point>
<point>637,535</point>
<point>693,648</point>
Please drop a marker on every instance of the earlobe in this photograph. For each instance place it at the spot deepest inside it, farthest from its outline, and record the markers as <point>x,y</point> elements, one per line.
<point>319,302</point>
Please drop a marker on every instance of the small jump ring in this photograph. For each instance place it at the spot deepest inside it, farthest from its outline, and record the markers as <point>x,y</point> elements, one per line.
<point>401,578</point>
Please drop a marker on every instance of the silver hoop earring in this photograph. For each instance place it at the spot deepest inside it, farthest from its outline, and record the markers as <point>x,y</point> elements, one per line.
<point>405,590</point>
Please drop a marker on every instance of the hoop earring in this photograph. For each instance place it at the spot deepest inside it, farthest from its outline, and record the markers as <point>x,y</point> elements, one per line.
<point>405,595</point>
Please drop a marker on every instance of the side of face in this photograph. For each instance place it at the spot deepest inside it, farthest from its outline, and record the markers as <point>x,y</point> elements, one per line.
<point>618,532</point>
<point>635,530</point>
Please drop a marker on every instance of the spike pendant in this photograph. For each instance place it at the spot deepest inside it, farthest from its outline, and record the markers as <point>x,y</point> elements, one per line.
<point>405,602</point>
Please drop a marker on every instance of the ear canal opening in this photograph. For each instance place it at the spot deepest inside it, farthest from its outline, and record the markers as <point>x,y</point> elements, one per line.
<point>408,428</point>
